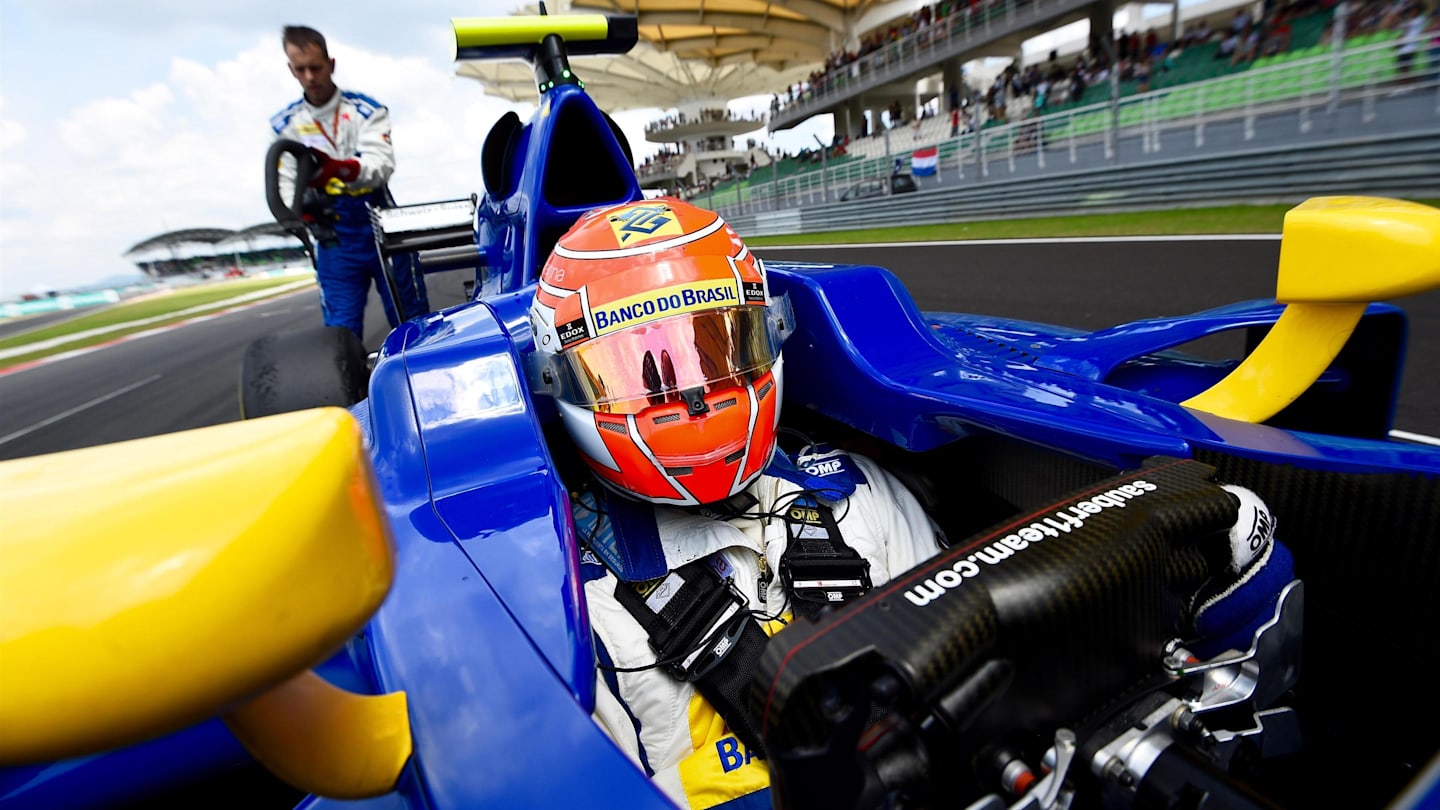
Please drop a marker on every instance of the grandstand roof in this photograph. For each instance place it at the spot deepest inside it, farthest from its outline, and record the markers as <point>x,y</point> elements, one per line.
<point>206,236</point>
<point>263,229</point>
<point>185,236</point>
<point>696,50</point>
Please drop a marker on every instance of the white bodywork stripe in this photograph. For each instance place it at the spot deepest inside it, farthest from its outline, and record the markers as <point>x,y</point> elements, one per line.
<point>558,292</point>
<point>687,499</point>
<point>582,427</point>
<point>620,253</point>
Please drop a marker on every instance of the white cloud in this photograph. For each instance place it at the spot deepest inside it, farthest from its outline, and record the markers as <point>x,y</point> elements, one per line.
<point>11,134</point>
<point>187,151</point>
<point>169,127</point>
<point>103,128</point>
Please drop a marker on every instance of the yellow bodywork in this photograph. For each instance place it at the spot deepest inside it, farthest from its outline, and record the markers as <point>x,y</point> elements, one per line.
<point>484,32</point>
<point>148,585</point>
<point>324,739</point>
<point>1357,249</point>
<point>1337,254</point>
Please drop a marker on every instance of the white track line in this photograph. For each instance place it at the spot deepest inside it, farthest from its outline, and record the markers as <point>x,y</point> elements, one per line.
<point>1415,437</point>
<point>140,335</point>
<point>258,295</point>
<point>78,408</point>
<point>1059,240</point>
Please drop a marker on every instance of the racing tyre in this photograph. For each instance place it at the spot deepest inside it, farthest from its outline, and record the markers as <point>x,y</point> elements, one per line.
<point>309,368</point>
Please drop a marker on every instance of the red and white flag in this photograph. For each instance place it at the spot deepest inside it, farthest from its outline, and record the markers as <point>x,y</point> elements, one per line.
<point>924,162</point>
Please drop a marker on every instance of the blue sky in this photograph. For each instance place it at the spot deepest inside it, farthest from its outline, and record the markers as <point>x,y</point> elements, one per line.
<point>120,121</point>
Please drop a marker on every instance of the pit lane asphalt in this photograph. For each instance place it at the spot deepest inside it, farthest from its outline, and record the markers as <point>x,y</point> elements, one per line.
<point>187,377</point>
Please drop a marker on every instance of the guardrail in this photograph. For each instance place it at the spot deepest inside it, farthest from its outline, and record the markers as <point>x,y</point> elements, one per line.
<point>1400,165</point>
<point>14,309</point>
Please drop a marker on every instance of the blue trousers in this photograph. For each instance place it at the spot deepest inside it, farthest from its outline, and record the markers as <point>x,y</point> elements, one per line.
<point>346,270</point>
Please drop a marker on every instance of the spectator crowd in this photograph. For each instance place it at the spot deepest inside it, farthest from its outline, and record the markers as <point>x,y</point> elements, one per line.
<point>705,116</point>
<point>1134,55</point>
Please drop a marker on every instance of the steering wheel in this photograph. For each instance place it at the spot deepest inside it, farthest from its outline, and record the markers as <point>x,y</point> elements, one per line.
<point>287,212</point>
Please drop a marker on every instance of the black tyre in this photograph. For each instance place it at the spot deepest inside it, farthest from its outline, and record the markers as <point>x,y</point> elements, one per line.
<point>309,368</point>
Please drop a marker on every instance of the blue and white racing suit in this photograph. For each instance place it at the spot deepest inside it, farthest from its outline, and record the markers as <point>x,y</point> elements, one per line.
<point>662,723</point>
<point>352,125</point>
<point>671,731</point>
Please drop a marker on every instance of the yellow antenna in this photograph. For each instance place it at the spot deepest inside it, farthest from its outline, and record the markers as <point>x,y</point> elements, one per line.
<point>1337,254</point>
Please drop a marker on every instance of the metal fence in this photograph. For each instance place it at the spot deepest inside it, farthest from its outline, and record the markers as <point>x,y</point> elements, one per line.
<point>1354,93</point>
<point>1399,165</point>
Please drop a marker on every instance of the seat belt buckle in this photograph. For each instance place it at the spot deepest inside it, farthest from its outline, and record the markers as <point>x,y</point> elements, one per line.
<point>723,639</point>
<point>825,579</point>
<point>721,632</point>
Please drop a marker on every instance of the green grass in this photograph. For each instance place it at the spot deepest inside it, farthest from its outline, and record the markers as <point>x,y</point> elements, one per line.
<point>142,309</point>
<point>1224,219</point>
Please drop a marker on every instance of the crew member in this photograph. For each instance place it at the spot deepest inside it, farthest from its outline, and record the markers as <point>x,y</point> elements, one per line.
<point>349,134</point>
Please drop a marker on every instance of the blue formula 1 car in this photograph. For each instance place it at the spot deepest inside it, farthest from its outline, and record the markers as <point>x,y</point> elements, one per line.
<point>383,603</point>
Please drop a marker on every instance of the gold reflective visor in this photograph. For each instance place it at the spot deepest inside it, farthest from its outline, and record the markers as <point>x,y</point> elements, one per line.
<point>650,364</point>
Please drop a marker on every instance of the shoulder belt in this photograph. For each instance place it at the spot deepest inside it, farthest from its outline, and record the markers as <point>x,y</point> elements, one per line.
<point>700,628</point>
<point>818,567</point>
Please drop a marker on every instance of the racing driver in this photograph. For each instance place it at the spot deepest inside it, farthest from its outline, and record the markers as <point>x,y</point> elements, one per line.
<point>661,345</point>
<point>658,339</point>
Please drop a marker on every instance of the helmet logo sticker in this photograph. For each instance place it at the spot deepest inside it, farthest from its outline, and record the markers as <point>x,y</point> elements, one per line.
<point>572,332</point>
<point>653,305</point>
<point>639,223</point>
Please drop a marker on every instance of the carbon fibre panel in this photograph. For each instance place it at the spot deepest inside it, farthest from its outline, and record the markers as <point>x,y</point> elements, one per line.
<point>1028,626</point>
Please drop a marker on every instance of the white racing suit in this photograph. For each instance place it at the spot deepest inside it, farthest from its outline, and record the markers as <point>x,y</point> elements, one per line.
<point>351,125</point>
<point>670,731</point>
<point>660,721</point>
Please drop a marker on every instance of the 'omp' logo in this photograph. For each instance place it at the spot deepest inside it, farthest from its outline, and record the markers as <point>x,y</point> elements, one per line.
<point>639,223</point>
<point>824,468</point>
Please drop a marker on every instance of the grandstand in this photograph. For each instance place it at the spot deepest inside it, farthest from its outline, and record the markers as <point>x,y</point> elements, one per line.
<point>700,149</point>
<point>691,61</point>
<point>893,71</point>
<point>882,67</point>
<point>209,251</point>
<point>1189,86</point>
<point>876,67</point>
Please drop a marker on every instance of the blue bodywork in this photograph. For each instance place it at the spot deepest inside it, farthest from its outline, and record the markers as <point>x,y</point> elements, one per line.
<point>485,628</point>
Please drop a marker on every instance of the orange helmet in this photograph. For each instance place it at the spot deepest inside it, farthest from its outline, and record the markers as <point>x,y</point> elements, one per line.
<point>656,334</point>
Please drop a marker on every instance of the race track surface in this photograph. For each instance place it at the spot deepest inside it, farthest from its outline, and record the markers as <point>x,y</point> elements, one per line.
<point>169,381</point>
<point>187,377</point>
<point>29,323</point>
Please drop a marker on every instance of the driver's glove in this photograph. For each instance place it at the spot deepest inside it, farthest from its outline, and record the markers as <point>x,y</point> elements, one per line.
<point>1227,611</point>
<point>347,171</point>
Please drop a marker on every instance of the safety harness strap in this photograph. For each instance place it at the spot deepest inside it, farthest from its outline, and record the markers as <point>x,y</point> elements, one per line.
<point>697,622</point>
<point>700,628</point>
<point>818,567</point>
